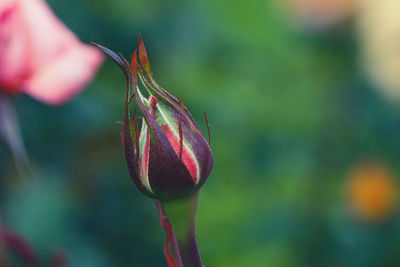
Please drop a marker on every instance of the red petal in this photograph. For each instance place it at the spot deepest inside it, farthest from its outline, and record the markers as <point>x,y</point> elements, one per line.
<point>187,158</point>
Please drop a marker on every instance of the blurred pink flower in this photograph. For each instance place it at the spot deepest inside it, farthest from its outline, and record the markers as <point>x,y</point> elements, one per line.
<point>321,14</point>
<point>39,55</point>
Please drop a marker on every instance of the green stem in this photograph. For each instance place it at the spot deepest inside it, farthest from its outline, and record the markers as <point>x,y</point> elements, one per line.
<point>181,214</point>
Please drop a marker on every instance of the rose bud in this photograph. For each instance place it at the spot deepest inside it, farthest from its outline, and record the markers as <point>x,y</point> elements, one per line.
<point>168,157</point>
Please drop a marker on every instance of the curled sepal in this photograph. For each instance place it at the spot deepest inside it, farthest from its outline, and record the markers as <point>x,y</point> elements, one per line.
<point>114,56</point>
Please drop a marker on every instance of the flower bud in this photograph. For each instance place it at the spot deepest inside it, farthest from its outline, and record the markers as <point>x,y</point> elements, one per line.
<point>168,157</point>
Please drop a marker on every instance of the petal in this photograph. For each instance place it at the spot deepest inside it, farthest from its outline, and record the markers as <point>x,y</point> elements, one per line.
<point>13,40</point>
<point>48,35</point>
<point>40,55</point>
<point>186,154</point>
<point>168,176</point>
<point>64,76</point>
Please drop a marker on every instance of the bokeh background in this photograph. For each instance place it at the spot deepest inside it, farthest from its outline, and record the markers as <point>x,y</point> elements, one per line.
<point>302,98</point>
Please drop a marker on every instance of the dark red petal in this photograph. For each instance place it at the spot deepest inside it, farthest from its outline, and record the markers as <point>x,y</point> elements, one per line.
<point>168,176</point>
<point>198,144</point>
<point>186,157</point>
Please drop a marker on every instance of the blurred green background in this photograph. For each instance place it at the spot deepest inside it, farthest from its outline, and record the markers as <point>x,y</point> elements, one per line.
<point>291,113</point>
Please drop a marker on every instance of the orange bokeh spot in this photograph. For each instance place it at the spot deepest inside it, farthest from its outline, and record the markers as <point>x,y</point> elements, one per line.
<point>372,191</point>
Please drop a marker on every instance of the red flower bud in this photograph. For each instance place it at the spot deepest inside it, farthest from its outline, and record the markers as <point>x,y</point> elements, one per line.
<point>168,157</point>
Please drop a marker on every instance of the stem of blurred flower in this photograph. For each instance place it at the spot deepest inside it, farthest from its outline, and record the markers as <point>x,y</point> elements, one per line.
<point>11,134</point>
<point>182,215</point>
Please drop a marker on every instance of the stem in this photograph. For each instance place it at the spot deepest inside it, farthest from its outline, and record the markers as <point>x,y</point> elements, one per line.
<point>182,214</point>
<point>11,134</point>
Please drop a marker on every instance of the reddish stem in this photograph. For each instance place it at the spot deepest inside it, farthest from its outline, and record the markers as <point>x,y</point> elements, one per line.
<point>11,134</point>
<point>170,239</point>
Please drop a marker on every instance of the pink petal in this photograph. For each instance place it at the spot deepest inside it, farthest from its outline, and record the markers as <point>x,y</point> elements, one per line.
<point>40,55</point>
<point>48,35</point>
<point>66,75</point>
<point>13,40</point>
